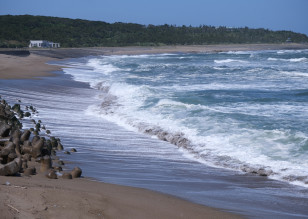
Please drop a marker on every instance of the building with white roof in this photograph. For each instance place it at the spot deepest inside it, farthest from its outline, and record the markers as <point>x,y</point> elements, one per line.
<point>43,44</point>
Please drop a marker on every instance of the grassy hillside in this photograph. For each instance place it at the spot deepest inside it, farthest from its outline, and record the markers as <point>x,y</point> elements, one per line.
<point>16,31</point>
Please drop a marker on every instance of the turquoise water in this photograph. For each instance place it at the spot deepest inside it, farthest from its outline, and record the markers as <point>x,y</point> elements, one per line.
<point>245,111</point>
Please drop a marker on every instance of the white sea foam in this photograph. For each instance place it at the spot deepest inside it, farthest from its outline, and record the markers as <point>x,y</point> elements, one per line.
<point>240,52</point>
<point>295,73</point>
<point>229,61</point>
<point>101,67</point>
<point>288,51</point>
<point>303,59</point>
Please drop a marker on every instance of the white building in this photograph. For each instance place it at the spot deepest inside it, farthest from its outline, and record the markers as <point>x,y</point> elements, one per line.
<point>43,44</point>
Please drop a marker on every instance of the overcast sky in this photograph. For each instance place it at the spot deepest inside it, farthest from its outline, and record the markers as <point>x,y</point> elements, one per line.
<point>271,14</point>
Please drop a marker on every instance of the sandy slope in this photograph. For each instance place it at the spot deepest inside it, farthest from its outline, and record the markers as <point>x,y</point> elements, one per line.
<point>40,197</point>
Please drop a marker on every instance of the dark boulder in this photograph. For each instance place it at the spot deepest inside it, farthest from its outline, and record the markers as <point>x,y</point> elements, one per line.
<point>9,148</point>
<point>59,146</point>
<point>45,163</point>
<point>76,172</point>
<point>37,148</point>
<point>25,135</point>
<point>5,129</point>
<point>11,168</point>
<point>51,174</point>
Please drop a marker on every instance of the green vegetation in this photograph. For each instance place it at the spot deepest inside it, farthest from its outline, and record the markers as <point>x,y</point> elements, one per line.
<point>16,31</point>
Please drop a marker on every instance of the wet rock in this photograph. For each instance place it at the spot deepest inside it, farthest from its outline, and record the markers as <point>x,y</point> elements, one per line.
<point>38,126</point>
<point>27,114</point>
<point>73,150</point>
<point>261,171</point>
<point>67,152</point>
<point>53,153</point>
<point>183,142</point>
<point>60,146</point>
<point>60,162</point>
<point>16,107</point>
<point>67,176</point>
<point>54,142</point>
<point>162,135</point>
<point>264,172</point>
<point>76,172</point>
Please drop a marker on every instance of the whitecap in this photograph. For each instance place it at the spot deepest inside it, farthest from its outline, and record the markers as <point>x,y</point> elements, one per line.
<point>229,61</point>
<point>294,73</point>
<point>303,59</point>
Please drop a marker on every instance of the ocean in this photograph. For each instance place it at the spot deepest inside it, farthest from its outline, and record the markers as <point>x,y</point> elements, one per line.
<point>227,130</point>
<point>244,111</point>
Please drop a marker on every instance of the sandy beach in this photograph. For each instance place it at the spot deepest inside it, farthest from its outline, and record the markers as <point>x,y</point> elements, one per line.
<point>39,197</point>
<point>12,67</point>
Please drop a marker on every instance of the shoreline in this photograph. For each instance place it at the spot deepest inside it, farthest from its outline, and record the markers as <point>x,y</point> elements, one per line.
<point>38,196</point>
<point>35,65</point>
<point>62,53</point>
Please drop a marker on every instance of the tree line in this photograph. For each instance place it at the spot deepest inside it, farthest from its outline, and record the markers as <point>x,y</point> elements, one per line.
<point>17,31</point>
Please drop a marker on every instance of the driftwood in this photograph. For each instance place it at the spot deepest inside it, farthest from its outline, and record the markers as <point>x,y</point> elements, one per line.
<point>12,207</point>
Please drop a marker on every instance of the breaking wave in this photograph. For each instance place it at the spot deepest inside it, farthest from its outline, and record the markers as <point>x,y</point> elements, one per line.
<point>236,119</point>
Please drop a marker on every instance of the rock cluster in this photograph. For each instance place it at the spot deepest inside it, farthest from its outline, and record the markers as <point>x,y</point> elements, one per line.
<point>18,147</point>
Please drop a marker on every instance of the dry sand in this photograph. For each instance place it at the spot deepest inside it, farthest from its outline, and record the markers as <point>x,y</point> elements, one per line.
<point>19,67</point>
<point>40,197</point>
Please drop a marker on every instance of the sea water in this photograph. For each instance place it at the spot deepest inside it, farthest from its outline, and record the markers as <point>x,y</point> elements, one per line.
<point>245,111</point>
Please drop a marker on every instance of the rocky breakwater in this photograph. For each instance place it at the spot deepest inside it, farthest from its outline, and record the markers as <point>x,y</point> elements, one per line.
<point>23,150</point>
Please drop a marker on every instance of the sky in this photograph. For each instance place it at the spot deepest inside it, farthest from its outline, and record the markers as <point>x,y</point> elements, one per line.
<point>270,14</point>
